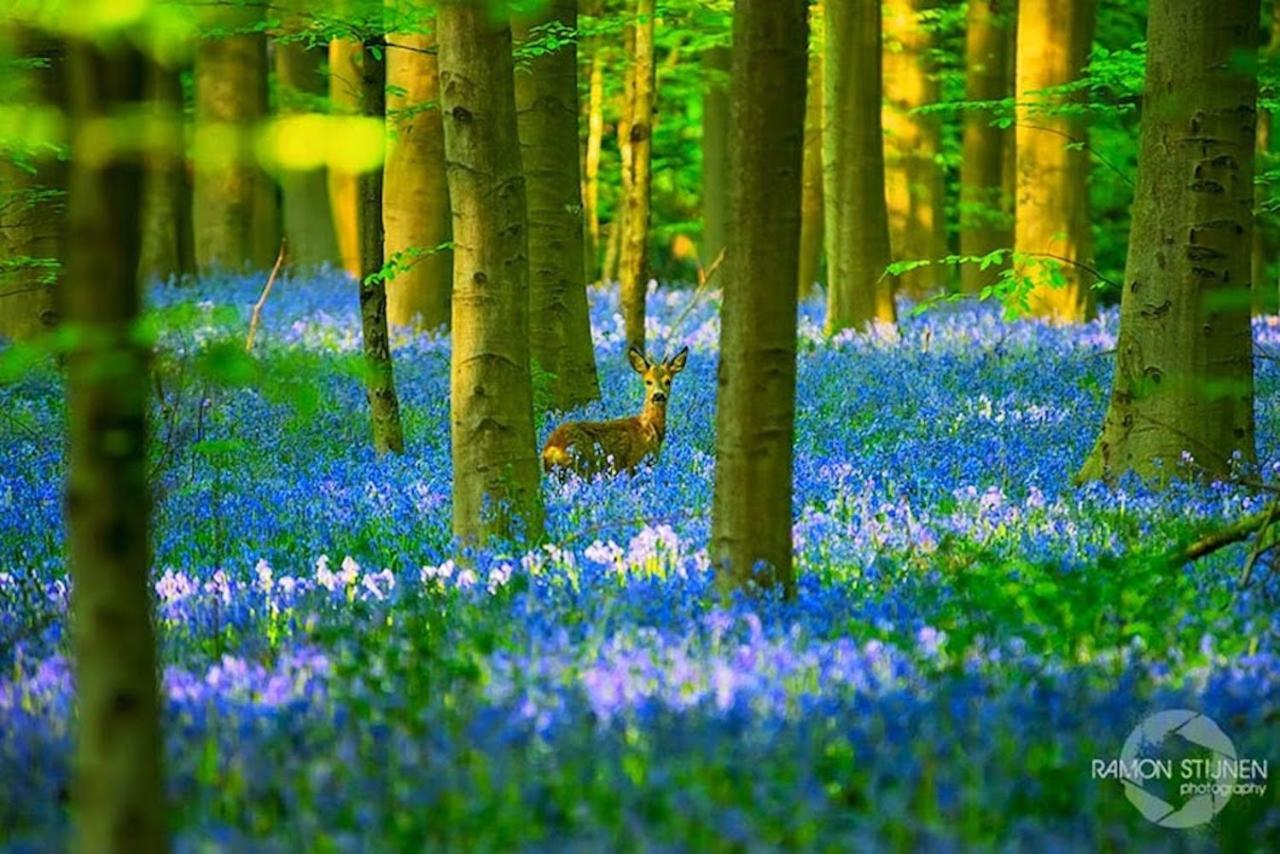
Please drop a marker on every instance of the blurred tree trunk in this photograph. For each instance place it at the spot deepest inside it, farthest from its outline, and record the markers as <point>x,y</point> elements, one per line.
<point>633,254</point>
<point>236,213</point>
<point>1266,297</point>
<point>547,110</point>
<point>857,220</point>
<point>755,411</point>
<point>913,143</point>
<point>344,99</point>
<point>308,223</point>
<point>811,212</point>
<point>715,151</point>
<point>595,138</point>
<point>167,237</point>
<point>1051,228</point>
<point>496,474</point>
<point>985,223</point>
<point>117,794</point>
<point>380,384</point>
<point>1184,356</point>
<point>32,204</point>
<point>416,206</point>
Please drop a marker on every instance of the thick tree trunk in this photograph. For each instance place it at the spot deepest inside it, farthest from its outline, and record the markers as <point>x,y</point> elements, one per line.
<point>986,223</point>
<point>308,221</point>
<point>633,254</point>
<point>755,411</point>
<point>811,211</point>
<point>715,151</point>
<point>167,237</point>
<point>380,384</point>
<point>1184,357</point>
<point>547,109</point>
<point>496,490</point>
<point>857,221</point>
<point>236,207</point>
<point>416,206</point>
<point>595,139</point>
<point>117,795</point>
<point>345,57</point>
<point>913,142</point>
<point>1051,228</point>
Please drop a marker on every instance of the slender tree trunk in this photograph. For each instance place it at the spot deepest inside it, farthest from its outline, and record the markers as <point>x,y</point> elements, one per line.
<point>1184,356</point>
<point>236,208</point>
<point>547,109</point>
<point>416,207</point>
<point>633,255</point>
<point>117,795</point>
<point>715,151</point>
<point>167,240</point>
<point>495,462</point>
<point>857,220</point>
<point>595,139</point>
<point>308,221</point>
<point>1265,295</point>
<point>913,143</point>
<point>985,224</point>
<point>755,410</point>
<point>1051,230</point>
<point>345,57</point>
<point>380,384</point>
<point>811,208</point>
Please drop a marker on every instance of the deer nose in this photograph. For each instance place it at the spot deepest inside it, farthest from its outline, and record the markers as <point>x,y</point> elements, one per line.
<point>659,397</point>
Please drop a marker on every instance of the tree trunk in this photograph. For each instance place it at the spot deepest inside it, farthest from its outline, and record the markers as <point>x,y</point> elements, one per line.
<point>595,139</point>
<point>496,489</point>
<point>1051,228</point>
<point>811,211</point>
<point>167,237</point>
<point>308,221</point>
<point>715,151</point>
<point>1184,356</point>
<point>380,384</point>
<point>633,255</point>
<point>416,207</point>
<point>345,57</point>
<point>31,206</point>
<point>913,142</point>
<point>117,794</point>
<point>755,410</point>
<point>1266,298</point>
<point>236,209</point>
<point>985,221</point>
<point>547,109</point>
<point>857,221</point>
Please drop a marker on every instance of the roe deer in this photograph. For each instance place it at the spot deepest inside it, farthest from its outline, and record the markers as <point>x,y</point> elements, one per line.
<point>587,447</point>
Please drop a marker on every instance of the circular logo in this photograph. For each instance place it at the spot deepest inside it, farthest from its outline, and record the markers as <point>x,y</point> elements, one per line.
<point>1148,737</point>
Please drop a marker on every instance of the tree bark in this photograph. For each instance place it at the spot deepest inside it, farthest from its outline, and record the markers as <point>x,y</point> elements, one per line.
<point>1184,356</point>
<point>633,254</point>
<point>986,223</point>
<point>547,117</point>
<point>715,151</point>
<point>595,139</point>
<point>496,490</point>
<point>1052,200</point>
<point>913,143</point>
<point>857,220</point>
<point>416,207</point>
<point>755,410</point>
<point>117,794</point>
<point>811,207</point>
<point>345,57</point>
<point>167,237</point>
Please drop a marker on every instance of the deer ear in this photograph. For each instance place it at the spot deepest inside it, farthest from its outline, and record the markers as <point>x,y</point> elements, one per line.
<point>677,362</point>
<point>637,359</point>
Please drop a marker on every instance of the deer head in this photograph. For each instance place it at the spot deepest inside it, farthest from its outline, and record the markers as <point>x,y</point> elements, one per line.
<point>657,375</point>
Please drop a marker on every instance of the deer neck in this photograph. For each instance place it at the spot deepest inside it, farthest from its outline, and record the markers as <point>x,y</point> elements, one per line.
<point>654,417</point>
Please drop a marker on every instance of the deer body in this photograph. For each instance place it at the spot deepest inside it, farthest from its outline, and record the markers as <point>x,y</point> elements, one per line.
<point>588,447</point>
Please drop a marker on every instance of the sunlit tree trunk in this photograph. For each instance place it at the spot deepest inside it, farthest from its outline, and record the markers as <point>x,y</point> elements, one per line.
<point>1184,356</point>
<point>811,209</point>
<point>715,150</point>
<point>547,110</point>
<point>1051,228</point>
<point>1265,294</point>
<point>344,99</point>
<point>633,253</point>
<point>857,222</point>
<point>117,795</point>
<point>595,139</point>
<point>913,143</point>
<point>166,204</point>
<point>985,221</point>
<point>495,462</point>
<point>416,206</point>
<point>755,409</point>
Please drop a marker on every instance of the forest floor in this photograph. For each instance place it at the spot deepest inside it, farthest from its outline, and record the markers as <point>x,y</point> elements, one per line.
<point>971,630</point>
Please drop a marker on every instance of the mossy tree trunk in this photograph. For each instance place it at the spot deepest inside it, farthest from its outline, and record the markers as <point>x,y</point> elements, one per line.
<point>715,151</point>
<point>547,116</point>
<point>1184,356</point>
<point>857,220</point>
<point>495,462</point>
<point>811,208</point>
<point>345,57</point>
<point>755,410</point>
<point>633,252</point>
<point>167,236</point>
<point>117,795</point>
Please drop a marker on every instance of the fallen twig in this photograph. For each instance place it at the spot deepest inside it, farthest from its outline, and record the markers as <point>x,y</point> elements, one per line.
<point>262,300</point>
